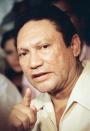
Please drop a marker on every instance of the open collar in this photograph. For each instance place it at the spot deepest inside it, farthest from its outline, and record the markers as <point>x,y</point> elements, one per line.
<point>80,94</point>
<point>81,91</point>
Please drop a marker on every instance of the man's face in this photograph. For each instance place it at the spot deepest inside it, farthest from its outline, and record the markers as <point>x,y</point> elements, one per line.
<point>43,56</point>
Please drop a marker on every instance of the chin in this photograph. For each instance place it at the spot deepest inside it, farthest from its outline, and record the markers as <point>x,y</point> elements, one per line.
<point>53,90</point>
<point>46,86</point>
<point>44,89</point>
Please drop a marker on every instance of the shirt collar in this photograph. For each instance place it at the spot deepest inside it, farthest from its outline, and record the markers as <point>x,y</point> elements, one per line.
<point>80,94</point>
<point>81,91</point>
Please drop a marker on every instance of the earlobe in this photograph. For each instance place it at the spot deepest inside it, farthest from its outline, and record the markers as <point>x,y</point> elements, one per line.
<point>76,45</point>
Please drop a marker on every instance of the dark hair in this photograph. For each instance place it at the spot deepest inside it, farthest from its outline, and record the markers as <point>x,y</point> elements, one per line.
<point>6,36</point>
<point>52,13</point>
<point>85,29</point>
<point>35,3</point>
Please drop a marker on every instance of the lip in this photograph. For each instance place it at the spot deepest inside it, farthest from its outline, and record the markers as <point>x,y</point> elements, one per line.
<point>40,76</point>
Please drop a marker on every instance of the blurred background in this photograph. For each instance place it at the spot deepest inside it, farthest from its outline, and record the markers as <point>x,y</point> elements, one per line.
<point>10,13</point>
<point>13,82</point>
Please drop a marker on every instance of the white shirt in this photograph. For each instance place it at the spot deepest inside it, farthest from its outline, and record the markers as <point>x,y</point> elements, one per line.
<point>9,95</point>
<point>76,116</point>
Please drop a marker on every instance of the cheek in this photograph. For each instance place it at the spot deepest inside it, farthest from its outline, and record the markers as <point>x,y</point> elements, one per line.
<point>54,59</point>
<point>51,57</point>
<point>24,65</point>
<point>60,65</point>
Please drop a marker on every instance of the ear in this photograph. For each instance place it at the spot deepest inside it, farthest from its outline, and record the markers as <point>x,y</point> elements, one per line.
<point>76,45</point>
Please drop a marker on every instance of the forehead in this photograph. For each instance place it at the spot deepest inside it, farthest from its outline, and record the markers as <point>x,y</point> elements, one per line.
<point>39,29</point>
<point>38,25</point>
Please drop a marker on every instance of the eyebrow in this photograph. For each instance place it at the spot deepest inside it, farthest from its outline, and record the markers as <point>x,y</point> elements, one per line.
<point>36,44</point>
<point>42,42</point>
<point>21,49</point>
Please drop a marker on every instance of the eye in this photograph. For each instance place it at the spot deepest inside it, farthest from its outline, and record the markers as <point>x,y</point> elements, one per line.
<point>22,54</point>
<point>45,46</point>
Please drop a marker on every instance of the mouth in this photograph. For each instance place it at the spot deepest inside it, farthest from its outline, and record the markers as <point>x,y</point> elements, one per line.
<point>40,76</point>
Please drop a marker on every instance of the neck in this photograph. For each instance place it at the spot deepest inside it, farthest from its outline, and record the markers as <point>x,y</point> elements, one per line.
<point>61,97</point>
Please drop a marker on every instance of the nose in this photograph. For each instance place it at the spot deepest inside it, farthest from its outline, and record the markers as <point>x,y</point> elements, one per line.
<point>35,60</point>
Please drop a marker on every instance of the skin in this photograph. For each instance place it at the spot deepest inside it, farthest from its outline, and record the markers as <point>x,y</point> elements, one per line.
<point>41,49</point>
<point>12,57</point>
<point>45,53</point>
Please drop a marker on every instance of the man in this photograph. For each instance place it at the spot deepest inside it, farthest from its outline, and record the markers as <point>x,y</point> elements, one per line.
<point>48,49</point>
